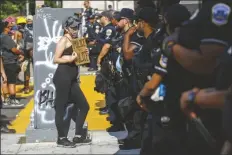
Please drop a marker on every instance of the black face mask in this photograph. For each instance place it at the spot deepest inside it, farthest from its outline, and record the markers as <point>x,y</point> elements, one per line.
<point>30,26</point>
<point>21,26</point>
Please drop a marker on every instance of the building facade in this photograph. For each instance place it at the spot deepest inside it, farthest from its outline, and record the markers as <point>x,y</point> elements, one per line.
<point>100,5</point>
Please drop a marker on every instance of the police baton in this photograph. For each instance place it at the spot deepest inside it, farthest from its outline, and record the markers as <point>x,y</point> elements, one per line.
<point>202,129</point>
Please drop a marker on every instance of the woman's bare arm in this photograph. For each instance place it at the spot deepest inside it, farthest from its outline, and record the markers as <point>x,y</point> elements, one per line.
<point>60,47</point>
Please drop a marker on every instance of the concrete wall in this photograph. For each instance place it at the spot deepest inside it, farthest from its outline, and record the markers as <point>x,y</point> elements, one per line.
<point>47,32</point>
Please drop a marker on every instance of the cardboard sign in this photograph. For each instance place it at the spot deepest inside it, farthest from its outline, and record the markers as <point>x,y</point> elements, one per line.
<point>79,46</point>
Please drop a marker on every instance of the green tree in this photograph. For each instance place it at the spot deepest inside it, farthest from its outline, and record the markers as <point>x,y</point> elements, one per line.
<point>52,3</point>
<point>15,8</point>
<point>8,8</point>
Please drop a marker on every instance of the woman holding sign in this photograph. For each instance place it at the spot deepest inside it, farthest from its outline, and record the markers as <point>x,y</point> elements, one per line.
<point>67,88</point>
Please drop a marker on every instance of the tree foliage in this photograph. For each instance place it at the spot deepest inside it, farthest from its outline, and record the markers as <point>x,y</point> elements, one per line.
<point>52,3</point>
<point>8,8</point>
<point>15,7</point>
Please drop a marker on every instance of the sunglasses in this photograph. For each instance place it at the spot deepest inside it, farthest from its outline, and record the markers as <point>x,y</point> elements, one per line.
<point>76,28</point>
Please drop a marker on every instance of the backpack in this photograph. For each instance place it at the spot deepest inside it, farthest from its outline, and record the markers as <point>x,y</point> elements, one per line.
<point>28,39</point>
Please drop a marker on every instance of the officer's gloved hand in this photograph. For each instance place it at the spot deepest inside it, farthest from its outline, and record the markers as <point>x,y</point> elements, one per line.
<point>169,42</point>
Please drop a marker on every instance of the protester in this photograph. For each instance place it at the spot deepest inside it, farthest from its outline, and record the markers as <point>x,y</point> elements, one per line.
<point>3,79</point>
<point>11,56</point>
<point>28,51</point>
<point>66,86</point>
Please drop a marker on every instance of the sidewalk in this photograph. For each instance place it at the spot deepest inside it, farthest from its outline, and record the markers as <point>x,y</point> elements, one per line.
<point>102,143</point>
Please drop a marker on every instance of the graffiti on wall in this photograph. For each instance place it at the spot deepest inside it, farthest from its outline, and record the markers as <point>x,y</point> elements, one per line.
<point>46,41</point>
<point>44,98</point>
<point>45,48</point>
<point>48,31</point>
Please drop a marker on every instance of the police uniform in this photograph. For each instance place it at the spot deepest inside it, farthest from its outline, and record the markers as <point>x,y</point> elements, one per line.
<point>169,123</point>
<point>211,25</point>
<point>143,58</point>
<point>90,36</point>
<point>88,12</point>
<point>89,33</point>
<point>96,27</point>
<point>121,78</point>
<point>224,81</point>
<point>105,35</point>
<point>122,66</point>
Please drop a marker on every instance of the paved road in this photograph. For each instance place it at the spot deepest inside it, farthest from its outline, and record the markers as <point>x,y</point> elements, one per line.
<point>103,142</point>
<point>96,101</point>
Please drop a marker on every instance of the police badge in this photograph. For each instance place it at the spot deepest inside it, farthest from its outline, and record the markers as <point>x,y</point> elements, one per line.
<point>230,51</point>
<point>97,29</point>
<point>220,14</point>
<point>163,61</point>
<point>108,33</point>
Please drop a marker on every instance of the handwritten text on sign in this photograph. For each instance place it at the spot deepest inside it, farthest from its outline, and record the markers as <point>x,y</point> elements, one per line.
<point>79,46</point>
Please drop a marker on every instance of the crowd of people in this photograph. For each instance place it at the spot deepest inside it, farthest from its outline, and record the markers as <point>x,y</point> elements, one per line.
<point>16,56</point>
<point>166,76</point>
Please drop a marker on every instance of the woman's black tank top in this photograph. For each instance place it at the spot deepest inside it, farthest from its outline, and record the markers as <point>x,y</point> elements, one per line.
<point>69,50</point>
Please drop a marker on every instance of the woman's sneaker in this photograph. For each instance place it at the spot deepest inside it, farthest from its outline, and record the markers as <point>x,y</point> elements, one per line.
<point>6,102</point>
<point>15,103</point>
<point>82,139</point>
<point>64,142</point>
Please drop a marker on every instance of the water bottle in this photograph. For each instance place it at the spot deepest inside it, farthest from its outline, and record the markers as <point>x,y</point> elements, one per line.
<point>162,91</point>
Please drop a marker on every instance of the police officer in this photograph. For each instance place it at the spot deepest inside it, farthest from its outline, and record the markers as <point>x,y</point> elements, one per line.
<point>121,81</point>
<point>209,38</point>
<point>106,34</point>
<point>28,45</point>
<point>142,60</point>
<point>146,26</point>
<point>104,44</point>
<point>169,134</point>
<point>88,10</point>
<point>210,30</point>
<point>96,24</point>
<point>90,36</point>
<point>116,18</point>
<point>218,97</point>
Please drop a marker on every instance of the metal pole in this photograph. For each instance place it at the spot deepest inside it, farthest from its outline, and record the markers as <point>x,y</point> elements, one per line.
<point>57,3</point>
<point>27,8</point>
<point>105,5</point>
<point>115,5</point>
